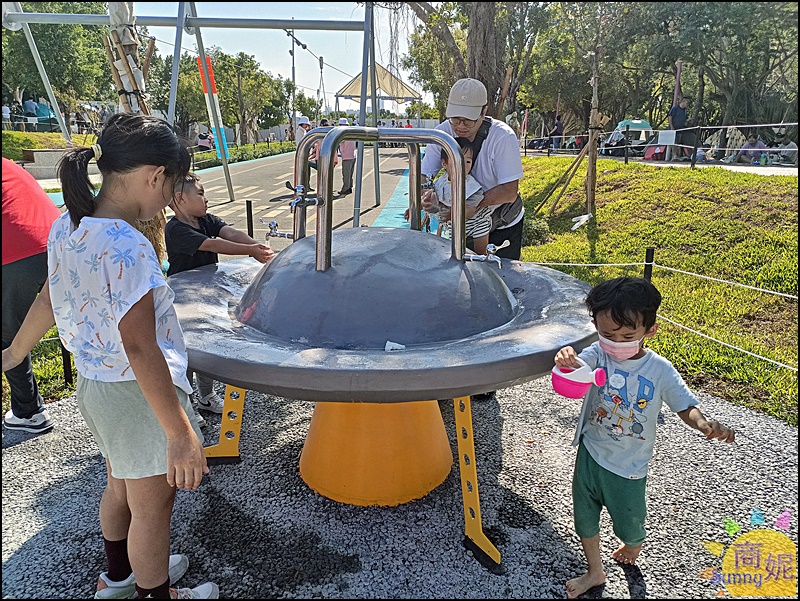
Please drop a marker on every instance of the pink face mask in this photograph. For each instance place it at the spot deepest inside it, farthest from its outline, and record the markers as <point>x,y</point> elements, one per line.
<point>620,350</point>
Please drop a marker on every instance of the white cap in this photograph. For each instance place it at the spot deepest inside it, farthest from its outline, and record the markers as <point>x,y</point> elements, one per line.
<point>467,99</point>
<point>302,120</point>
<point>344,121</point>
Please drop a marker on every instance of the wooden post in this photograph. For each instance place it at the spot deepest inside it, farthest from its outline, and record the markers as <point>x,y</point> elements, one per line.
<point>577,159</point>
<point>594,124</point>
<point>115,76</point>
<point>129,72</point>
<point>574,169</point>
<point>151,46</point>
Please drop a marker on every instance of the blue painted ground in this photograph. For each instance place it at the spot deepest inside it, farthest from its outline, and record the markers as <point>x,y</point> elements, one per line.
<point>392,213</point>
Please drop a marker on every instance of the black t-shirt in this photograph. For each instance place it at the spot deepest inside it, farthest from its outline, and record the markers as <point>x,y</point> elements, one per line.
<point>183,241</point>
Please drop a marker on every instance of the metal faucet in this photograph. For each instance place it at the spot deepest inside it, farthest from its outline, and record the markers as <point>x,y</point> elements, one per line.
<point>491,254</point>
<point>273,232</point>
<point>301,201</point>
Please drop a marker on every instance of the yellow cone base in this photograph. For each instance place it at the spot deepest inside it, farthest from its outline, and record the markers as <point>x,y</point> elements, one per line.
<point>227,449</point>
<point>376,453</point>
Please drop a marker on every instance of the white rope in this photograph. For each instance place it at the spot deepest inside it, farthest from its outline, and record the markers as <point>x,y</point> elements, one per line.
<point>705,277</point>
<point>591,264</point>
<point>726,344</point>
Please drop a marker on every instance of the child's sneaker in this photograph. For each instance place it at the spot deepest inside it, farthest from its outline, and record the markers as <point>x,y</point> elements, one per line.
<point>126,589</point>
<point>211,402</point>
<point>207,590</point>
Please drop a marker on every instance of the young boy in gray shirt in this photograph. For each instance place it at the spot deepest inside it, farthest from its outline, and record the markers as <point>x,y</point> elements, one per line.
<point>617,425</point>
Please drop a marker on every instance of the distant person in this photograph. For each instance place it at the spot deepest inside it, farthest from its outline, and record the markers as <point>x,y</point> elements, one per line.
<point>557,133</point>
<point>303,127</point>
<point>205,141</point>
<point>113,309</point>
<point>787,149</point>
<point>194,238</point>
<point>6,116</point>
<point>408,123</point>
<point>677,120</point>
<point>30,107</point>
<point>750,153</point>
<point>347,149</point>
<point>28,214</point>
<point>614,452</point>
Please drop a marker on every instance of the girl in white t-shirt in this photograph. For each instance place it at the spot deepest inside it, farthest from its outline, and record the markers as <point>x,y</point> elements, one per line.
<point>113,310</point>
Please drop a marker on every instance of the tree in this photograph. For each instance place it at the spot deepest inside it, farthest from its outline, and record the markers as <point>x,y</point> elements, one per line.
<point>72,55</point>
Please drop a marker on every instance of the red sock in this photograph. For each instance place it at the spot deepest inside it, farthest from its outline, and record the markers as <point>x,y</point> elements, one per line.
<point>160,592</point>
<point>119,566</point>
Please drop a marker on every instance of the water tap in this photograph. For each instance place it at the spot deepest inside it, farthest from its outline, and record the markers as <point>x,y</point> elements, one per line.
<point>272,230</point>
<point>491,254</point>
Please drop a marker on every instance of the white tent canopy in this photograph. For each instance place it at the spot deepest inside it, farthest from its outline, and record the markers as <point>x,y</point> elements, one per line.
<point>392,87</point>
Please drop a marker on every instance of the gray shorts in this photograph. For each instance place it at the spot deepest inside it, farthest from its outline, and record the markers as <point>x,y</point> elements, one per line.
<point>126,429</point>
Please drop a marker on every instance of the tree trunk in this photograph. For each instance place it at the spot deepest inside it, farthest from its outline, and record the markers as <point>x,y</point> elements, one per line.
<point>698,101</point>
<point>484,56</point>
<point>423,11</point>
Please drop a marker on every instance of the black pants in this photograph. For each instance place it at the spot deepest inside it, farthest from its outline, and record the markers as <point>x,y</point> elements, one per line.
<point>514,235</point>
<point>22,281</point>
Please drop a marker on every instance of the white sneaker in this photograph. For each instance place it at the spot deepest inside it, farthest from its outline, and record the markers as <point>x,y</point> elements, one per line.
<point>126,589</point>
<point>211,402</point>
<point>36,423</point>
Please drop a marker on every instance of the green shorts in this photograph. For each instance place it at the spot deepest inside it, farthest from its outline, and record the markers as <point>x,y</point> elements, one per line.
<point>126,429</point>
<point>594,487</point>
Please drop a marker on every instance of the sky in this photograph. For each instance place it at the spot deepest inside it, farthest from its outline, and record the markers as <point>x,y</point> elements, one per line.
<point>342,51</point>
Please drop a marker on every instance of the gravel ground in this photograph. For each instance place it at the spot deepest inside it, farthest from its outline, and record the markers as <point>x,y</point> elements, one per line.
<point>258,531</point>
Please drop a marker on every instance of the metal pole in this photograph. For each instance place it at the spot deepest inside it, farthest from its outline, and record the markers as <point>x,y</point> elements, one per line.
<point>327,155</point>
<point>362,112</point>
<point>66,362</point>
<point>698,131</point>
<point>293,126</point>
<point>414,187</point>
<point>648,263</point>
<point>176,62</point>
<point>373,84</point>
<point>45,80</point>
<point>217,121</point>
<point>249,218</point>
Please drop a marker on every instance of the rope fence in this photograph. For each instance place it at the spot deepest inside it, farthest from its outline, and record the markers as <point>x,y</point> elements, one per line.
<point>648,267</point>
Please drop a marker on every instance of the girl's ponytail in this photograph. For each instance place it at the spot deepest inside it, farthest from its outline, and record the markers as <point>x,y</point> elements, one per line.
<point>78,190</point>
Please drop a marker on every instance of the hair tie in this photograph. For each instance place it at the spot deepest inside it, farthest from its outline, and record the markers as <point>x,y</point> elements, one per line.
<point>98,152</point>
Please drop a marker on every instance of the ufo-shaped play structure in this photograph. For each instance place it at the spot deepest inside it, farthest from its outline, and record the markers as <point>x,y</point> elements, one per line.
<point>374,325</point>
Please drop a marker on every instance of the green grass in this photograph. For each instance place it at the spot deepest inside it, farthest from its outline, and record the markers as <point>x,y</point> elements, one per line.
<point>734,226</point>
<point>719,223</point>
<point>14,142</point>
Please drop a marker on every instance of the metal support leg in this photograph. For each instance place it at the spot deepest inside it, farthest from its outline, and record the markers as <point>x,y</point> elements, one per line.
<point>230,429</point>
<point>475,540</point>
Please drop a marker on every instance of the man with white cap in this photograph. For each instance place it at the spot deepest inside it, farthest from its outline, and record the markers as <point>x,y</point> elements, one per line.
<point>348,151</point>
<point>303,125</point>
<point>496,165</point>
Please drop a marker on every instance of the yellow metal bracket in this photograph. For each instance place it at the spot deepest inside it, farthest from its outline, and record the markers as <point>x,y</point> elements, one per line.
<point>475,540</point>
<point>230,429</point>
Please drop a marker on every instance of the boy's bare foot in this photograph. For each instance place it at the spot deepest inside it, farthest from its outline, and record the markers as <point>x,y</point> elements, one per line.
<point>581,584</point>
<point>627,554</point>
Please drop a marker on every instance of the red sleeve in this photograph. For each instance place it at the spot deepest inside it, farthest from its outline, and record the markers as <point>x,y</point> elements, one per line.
<point>28,214</point>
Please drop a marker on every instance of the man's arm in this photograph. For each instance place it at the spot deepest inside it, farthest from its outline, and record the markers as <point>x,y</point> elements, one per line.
<point>502,194</point>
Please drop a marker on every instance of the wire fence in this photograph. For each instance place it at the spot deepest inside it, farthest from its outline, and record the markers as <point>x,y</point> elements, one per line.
<point>649,264</point>
<point>708,143</point>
